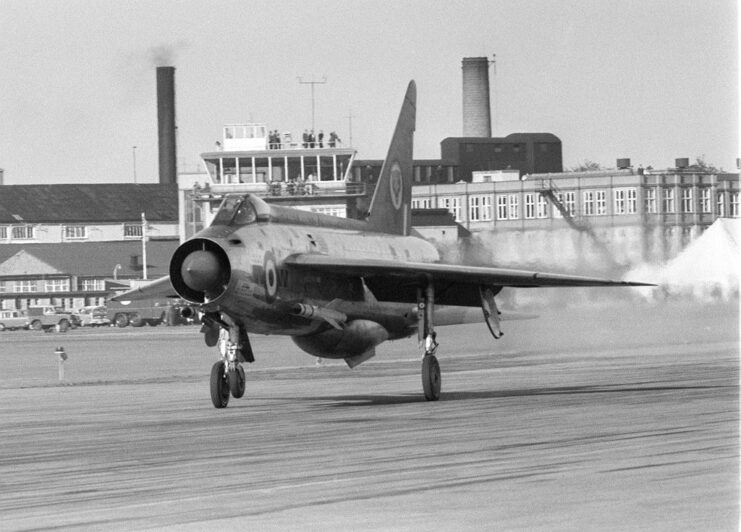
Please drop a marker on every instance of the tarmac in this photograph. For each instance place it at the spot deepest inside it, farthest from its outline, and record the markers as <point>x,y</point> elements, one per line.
<point>598,417</point>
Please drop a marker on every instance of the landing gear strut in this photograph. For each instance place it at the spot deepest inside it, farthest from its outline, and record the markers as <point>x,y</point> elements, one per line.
<point>431,381</point>
<point>227,375</point>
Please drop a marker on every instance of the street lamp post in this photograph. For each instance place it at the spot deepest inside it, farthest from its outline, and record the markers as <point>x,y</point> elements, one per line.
<point>144,247</point>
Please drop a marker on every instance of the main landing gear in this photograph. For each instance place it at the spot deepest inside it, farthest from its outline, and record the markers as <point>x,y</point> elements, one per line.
<point>227,374</point>
<point>431,381</point>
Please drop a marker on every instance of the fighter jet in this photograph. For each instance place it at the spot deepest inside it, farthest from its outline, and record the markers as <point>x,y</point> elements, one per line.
<point>338,287</point>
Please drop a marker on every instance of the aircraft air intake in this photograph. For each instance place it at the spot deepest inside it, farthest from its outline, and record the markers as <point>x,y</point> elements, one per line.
<point>200,270</point>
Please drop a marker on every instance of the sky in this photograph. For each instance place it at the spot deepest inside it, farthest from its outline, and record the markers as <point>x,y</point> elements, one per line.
<point>650,80</point>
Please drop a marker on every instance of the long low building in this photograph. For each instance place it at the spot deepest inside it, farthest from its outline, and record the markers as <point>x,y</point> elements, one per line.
<point>631,215</point>
<point>65,245</point>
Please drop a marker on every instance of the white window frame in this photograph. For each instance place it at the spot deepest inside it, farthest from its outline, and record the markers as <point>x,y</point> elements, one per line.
<point>3,232</point>
<point>529,206</point>
<point>542,207</point>
<point>570,202</point>
<point>514,206</point>
<point>650,201</point>
<point>56,285</point>
<point>619,202</point>
<point>421,203</point>
<point>734,211</point>
<point>338,212</point>
<point>667,201</point>
<point>721,203</point>
<point>453,204</point>
<point>92,285</point>
<point>687,203</point>
<point>705,196</point>
<point>132,230</point>
<point>26,230</point>
<point>631,200</point>
<point>600,203</point>
<point>474,208</point>
<point>502,207</point>
<point>588,203</point>
<point>486,209</point>
<point>25,286</point>
<point>75,232</point>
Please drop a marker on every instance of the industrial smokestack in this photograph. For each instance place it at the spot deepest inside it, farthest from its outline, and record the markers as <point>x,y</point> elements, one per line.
<point>476,109</point>
<point>166,124</point>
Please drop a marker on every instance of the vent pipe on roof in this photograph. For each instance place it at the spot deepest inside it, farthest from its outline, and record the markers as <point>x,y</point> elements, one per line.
<point>166,124</point>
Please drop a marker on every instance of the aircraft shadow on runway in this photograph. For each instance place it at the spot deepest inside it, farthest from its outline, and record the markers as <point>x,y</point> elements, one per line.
<point>361,400</point>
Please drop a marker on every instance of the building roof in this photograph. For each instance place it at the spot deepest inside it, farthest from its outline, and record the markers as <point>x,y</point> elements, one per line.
<point>437,218</point>
<point>86,259</point>
<point>509,139</point>
<point>100,202</point>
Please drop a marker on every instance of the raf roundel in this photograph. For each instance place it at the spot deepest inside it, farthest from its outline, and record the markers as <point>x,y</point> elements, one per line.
<point>396,185</point>
<point>270,278</point>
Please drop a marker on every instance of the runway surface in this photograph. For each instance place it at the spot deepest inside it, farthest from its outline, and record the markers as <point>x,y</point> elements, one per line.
<point>597,418</point>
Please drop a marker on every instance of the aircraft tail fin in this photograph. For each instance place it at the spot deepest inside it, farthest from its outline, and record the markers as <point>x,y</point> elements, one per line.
<point>390,210</point>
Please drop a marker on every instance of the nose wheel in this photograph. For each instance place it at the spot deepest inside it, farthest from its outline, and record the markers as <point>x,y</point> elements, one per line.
<point>227,374</point>
<point>237,381</point>
<point>219,385</point>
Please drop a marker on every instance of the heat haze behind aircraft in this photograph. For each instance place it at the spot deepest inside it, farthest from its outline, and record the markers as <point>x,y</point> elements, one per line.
<point>338,287</point>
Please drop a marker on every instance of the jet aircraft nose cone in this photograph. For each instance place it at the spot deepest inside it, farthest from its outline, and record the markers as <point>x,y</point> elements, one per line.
<point>200,270</point>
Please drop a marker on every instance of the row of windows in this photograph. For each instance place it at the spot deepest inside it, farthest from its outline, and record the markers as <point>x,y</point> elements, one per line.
<point>69,232</point>
<point>50,285</point>
<point>535,205</point>
<point>687,202</point>
<point>594,203</point>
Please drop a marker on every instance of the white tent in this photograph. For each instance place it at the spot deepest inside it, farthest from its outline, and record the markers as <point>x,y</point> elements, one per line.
<point>708,268</point>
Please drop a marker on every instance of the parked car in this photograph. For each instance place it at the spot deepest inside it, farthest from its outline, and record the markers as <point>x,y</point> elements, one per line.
<point>10,320</point>
<point>48,318</point>
<point>93,316</point>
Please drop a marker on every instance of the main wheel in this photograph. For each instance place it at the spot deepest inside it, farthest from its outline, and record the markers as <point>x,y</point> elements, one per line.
<point>63,326</point>
<point>136,321</point>
<point>36,325</point>
<point>219,385</point>
<point>121,320</point>
<point>237,382</point>
<point>431,378</point>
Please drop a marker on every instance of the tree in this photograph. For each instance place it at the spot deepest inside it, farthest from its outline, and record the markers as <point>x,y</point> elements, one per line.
<point>586,166</point>
<point>702,165</point>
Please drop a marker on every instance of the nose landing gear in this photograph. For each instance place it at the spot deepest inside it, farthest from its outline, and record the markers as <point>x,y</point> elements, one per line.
<point>227,374</point>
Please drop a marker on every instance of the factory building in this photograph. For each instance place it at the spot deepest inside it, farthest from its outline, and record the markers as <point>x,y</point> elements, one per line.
<point>627,216</point>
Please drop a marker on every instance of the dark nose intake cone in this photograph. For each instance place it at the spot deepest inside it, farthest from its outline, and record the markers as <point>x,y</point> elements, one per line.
<point>200,271</point>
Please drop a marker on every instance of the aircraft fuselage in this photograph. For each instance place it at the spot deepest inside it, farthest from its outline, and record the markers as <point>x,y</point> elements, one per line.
<point>242,274</point>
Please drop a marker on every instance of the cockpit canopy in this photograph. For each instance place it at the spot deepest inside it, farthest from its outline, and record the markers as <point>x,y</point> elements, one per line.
<point>241,209</point>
